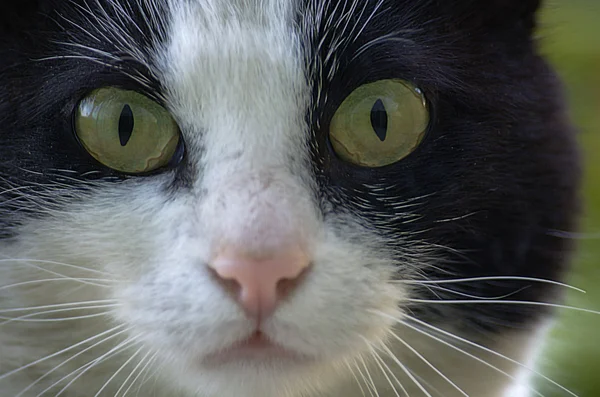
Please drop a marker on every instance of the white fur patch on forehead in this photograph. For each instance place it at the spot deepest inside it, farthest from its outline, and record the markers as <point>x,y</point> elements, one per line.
<point>234,76</point>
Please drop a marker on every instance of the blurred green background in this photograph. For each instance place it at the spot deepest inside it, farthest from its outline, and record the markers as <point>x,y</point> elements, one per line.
<point>570,33</point>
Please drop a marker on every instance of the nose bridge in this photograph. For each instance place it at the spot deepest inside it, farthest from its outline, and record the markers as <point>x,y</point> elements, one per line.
<point>260,213</point>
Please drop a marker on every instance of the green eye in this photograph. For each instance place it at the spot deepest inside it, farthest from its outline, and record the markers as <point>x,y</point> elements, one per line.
<point>379,123</point>
<point>126,131</point>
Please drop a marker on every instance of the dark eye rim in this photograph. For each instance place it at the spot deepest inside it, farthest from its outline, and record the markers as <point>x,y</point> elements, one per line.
<point>178,156</point>
<point>431,107</point>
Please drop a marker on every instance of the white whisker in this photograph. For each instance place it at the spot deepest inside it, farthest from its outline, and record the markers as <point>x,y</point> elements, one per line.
<point>474,357</point>
<point>123,346</point>
<point>369,377</point>
<point>46,262</point>
<point>391,373</point>
<point>428,363</point>
<point>133,372</point>
<point>364,378</point>
<point>149,375</point>
<point>50,320</point>
<point>502,302</point>
<point>432,389</point>
<point>492,278</point>
<point>31,364</point>
<point>60,305</point>
<point>362,391</point>
<point>405,370</point>
<point>105,385</point>
<point>63,279</point>
<point>97,51</point>
<point>385,369</point>
<point>463,294</point>
<point>473,344</point>
<point>75,356</point>
<point>141,372</point>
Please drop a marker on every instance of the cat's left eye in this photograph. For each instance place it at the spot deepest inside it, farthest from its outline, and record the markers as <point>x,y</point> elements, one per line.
<point>379,123</point>
<point>126,131</point>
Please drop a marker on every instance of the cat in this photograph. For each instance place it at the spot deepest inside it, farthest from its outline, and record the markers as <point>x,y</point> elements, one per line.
<point>279,198</point>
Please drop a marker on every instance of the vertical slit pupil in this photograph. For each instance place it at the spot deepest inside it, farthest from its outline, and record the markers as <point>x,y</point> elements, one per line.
<point>126,124</point>
<point>379,120</point>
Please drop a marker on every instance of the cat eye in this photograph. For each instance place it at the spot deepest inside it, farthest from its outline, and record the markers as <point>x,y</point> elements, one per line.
<point>379,123</point>
<point>126,131</point>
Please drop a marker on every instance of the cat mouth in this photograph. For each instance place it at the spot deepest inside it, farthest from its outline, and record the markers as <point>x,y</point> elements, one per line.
<point>256,348</point>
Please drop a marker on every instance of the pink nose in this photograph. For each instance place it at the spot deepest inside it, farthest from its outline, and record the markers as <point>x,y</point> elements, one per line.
<point>259,284</point>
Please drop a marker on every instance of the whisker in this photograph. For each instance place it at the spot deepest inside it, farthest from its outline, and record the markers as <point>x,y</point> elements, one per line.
<point>392,374</point>
<point>473,344</point>
<point>381,364</point>
<point>133,356</point>
<point>369,18</point>
<point>149,376</point>
<point>50,320</point>
<point>493,278</point>
<point>133,372</point>
<point>383,371</point>
<point>432,389</point>
<point>362,391</point>
<point>463,294</point>
<point>369,377</point>
<point>141,372</point>
<point>58,305</point>
<point>46,262</point>
<point>388,38</point>
<point>574,236</point>
<point>61,275</point>
<point>75,356</point>
<point>405,370</point>
<point>503,302</point>
<point>123,346</point>
<point>32,282</point>
<point>31,364</point>
<point>456,348</point>
<point>93,50</point>
<point>364,378</point>
<point>428,363</point>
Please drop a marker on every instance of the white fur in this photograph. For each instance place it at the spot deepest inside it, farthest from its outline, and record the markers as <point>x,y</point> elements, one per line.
<point>237,84</point>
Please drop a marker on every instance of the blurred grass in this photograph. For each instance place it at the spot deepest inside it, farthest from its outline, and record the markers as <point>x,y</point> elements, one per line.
<point>570,34</point>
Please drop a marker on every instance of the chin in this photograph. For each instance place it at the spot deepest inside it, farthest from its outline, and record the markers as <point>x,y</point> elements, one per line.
<point>257,374</point>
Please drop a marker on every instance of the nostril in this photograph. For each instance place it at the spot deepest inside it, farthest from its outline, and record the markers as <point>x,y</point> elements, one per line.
<point>286,286</point>
<point>230,285</point>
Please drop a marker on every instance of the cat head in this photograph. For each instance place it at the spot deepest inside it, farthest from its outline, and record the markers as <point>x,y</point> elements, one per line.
<point>256,191</point>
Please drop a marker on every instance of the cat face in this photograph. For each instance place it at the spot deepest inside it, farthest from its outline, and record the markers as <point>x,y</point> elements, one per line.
<point>271,235</point>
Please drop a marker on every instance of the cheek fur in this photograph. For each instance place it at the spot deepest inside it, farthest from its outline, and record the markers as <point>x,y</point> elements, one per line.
<point>160,290</point>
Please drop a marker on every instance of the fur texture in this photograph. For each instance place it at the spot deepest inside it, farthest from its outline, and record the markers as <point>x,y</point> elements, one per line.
<point>105,286</point>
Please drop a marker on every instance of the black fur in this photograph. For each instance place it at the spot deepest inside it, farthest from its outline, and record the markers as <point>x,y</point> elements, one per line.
<point>498,171</point>
<point>495,178</point>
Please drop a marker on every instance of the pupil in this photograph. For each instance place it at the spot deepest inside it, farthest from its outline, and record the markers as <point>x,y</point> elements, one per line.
<point>125,125</point>
<point>379,120</point>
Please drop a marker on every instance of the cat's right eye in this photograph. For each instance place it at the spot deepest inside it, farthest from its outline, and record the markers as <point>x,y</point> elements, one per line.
<point>126,131</point>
